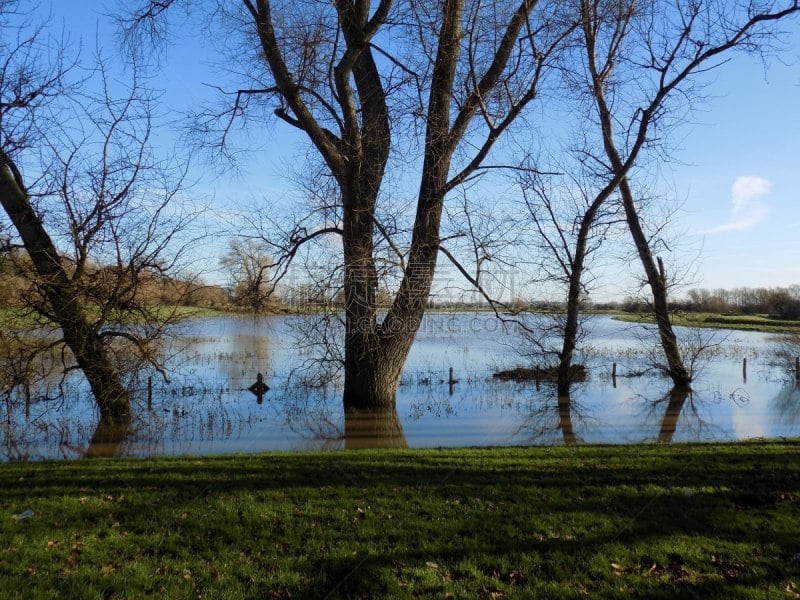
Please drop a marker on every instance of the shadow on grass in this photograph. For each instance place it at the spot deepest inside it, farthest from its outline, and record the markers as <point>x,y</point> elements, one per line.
<point>647,521</point>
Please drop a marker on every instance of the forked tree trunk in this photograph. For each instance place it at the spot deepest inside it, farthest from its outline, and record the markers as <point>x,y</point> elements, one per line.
<point>357,154</point>
<point>657,280</point>
<point>376,353</point>
<point>63,302</point>
<point>371,376</point>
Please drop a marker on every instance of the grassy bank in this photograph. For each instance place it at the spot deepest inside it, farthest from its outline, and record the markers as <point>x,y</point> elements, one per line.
<point>720,321</point>
<point>649,522</point>
<point>20,319</point>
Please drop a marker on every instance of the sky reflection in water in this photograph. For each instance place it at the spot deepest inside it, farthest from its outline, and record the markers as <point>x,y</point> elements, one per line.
<point>208,408</point>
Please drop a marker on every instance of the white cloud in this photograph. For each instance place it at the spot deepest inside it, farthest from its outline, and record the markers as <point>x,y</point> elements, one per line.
<point>747,209</point>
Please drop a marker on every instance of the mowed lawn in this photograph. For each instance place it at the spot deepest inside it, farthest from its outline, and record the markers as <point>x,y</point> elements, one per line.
<point>694,521</point>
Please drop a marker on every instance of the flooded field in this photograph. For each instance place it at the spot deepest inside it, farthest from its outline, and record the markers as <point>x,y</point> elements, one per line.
<point>207,406</point>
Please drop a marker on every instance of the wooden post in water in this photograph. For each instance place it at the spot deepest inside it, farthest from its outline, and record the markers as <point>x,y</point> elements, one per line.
<point>797,369</point>
<point>150,393</point>
<point>614,374</point>
<point>744,369</point>
<point>451,381</point>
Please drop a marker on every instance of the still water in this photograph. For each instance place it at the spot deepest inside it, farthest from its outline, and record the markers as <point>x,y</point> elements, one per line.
<point>207,407</point>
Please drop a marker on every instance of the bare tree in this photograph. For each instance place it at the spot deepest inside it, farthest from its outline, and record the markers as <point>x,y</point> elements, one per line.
<point>87,201</point>
<point>364,80</point>
<point>643,62</point>
<point>571,219</point>
<point>247,263</point>
<point>632,73</point>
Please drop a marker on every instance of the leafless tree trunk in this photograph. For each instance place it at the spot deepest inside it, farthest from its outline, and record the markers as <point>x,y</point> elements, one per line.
<point>657,279</point>
<point>90,235</point>
<point>570,227</point>
<point>623,44</point>
<point>108,437</point>
<point>84,341</point>
<point>462,73</point>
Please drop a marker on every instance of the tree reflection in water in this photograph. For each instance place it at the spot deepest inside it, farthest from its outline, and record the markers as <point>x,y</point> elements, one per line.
<point>787,404</point>
<point>565,419</point>
<point>192,415</point>
<point>379,428</point>
<point>549,415</point>
<point>108,438</point>
<point>677,398</point>
<point>318,413</point>
<point>684,405</point>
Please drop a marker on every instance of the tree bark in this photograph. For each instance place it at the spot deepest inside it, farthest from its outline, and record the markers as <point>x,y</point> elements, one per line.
<point>570,333</point>
<point>375,355</point>
<point>656,278</point>
<point>63,299</point>
<point>576,268</point>
<point>108,437</point>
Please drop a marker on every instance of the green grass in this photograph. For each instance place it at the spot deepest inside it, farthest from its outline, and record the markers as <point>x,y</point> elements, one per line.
<point>719,321</point>
<point>649,521</point>
<point>188,311</point>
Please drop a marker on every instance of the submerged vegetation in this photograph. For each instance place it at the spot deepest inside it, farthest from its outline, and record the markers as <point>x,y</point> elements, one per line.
<point>576,373</point>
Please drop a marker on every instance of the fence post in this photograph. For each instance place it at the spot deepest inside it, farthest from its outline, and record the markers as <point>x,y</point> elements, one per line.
<point>614,374</point>
<point>744,369</point>
<point>150,393</point>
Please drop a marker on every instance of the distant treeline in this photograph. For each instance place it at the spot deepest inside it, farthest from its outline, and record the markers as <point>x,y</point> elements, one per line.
<point>779,302</point>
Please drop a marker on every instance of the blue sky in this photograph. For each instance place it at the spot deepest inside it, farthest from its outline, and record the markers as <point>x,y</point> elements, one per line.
<point>736,171</point>
<point>740,177</point>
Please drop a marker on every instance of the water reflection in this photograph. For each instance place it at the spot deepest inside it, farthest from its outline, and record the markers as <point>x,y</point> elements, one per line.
<point>209,406</point>
<point>565,419</point>
<point>698,414</point>
<point>380,428</point>
<point>551,418</point>
<point>259,388</point>
<point>676,399</point>
<point>108,438</point>
<point>317,415</point>
<point>787,404</point>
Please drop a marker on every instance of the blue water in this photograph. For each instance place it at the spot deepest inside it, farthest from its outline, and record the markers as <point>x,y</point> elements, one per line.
<point>206,407</point>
